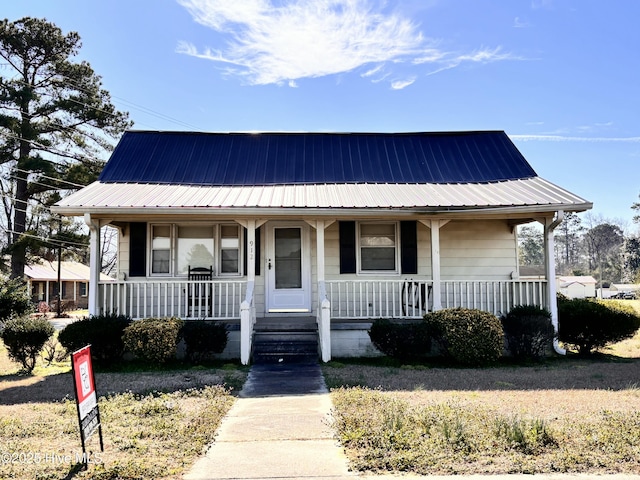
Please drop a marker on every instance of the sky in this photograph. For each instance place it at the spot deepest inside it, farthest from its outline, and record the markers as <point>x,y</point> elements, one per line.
<point>560,77</point>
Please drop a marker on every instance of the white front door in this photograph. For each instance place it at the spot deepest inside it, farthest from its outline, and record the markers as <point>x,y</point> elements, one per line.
<point>288,267</point>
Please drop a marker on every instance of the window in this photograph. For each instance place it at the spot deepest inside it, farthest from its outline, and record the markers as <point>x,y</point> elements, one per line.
<point>175,248</point>
<point>195,247</point>
<point>83,289</point>
<point>229,249</point>
<point>160,248</point>
<point>378,247</point>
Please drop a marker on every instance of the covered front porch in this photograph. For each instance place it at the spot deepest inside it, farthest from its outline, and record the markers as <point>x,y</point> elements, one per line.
<point>335,302</point>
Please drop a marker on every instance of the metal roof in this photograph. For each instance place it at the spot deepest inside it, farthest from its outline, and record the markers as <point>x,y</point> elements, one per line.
<point>258,159</point>
<point>69,272</point>
<point>160,198</point>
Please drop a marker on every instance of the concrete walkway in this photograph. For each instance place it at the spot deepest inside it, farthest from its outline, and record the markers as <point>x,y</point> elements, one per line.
<point>279,429</point>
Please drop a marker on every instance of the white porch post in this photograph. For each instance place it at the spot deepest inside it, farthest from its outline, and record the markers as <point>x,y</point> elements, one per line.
<point>46,293</point>
<point>434,226</point>
<point>94,262</point>
<point>550,224</point>
<point>324,307</point>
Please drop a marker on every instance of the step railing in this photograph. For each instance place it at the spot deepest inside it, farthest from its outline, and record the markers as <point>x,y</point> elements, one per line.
<point>324,322</point>
<point>247,322</point>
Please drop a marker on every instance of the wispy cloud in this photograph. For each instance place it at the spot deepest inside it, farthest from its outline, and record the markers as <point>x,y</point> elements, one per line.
<point>269,42</point>
<point>563,138</point>
<point>518,23</point>
<point>482,55</point>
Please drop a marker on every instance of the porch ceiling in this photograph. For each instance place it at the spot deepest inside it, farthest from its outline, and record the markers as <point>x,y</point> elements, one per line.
<point>524,195</point>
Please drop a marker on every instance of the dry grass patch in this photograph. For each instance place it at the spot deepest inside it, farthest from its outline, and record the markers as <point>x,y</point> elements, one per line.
<point>155,424</point>
<point>566,415</point>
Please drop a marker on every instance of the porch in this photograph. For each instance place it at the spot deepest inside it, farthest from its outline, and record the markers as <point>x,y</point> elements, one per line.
<point>339,302</point>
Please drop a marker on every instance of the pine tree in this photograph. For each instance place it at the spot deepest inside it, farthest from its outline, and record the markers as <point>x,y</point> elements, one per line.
<point>55,122</point>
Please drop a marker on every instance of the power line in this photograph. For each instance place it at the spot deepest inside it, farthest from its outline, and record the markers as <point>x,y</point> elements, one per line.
<point>142,108</point>
<point>56,242</point>
<point>51,178</point>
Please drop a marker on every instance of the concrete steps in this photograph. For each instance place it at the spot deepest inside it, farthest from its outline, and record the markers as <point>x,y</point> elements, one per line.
<point>285,340</point>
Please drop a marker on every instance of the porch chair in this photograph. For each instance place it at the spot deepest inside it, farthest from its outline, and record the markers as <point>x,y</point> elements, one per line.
<point>199,296</point>
<point>415,296</point>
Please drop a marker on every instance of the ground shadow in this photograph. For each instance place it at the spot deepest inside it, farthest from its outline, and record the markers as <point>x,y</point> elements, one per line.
<point>570,373</point>
<point>16,389</point>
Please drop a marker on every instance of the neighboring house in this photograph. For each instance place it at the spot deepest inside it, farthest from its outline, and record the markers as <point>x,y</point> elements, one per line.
<point>42,278</point>
<point>577,286</point>
<point>343,228</point>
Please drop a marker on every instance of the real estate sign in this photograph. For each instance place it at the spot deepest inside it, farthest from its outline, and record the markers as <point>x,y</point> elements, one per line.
<point>86,398</point>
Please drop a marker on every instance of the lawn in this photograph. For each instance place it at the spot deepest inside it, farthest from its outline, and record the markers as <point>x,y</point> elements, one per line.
<point>564,415</point>
<point>155,423</point>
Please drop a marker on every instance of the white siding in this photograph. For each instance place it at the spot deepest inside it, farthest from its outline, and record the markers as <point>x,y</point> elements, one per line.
<point>478,250</point>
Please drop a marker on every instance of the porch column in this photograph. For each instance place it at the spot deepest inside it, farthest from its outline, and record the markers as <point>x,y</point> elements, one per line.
<point>246,307</point>
<point>251,250</point>
<point>94,262</point>
<point>46,293</point>
<point>324,307</point>
<point>550,224</point>
<point>434,226</point>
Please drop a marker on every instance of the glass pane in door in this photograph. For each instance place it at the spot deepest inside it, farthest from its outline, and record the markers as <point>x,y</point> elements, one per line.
<point>288,258</point>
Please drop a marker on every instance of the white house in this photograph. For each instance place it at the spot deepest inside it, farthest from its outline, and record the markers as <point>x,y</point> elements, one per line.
<point>581,286</point>
<point>42,278</point>
<point>339,227</point>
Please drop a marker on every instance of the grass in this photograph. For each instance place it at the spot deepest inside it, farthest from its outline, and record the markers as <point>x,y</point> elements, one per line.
<point>563,415</point>
<point>155,423</point>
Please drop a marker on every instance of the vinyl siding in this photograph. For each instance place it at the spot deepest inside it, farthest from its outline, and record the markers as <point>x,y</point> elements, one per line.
<point>477,250</point>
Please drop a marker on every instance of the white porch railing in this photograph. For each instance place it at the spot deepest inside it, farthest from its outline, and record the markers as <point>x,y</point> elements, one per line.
<point>215,300</point>
<point>367,299</point>
<point>497,297</point>
<point>324,322</point>
<point>362,299</point>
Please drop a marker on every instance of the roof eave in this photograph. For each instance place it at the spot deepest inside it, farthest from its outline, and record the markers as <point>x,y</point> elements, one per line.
<point>458,211</point>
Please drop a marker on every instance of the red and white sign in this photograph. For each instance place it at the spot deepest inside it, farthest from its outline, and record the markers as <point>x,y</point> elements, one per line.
<point>85,386</point>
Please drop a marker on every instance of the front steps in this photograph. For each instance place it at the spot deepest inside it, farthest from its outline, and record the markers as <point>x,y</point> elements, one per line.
<point>285,340</point>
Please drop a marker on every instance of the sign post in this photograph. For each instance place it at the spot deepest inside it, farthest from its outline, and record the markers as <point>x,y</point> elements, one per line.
<point>86,398</point>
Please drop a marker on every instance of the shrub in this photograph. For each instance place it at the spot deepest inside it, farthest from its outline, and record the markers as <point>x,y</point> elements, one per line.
<point>470,337</point>
<point>24,337</point>
<point>153,339</point>
<point>403,341</point>
<point>528,331</point>
<point>588,325</point>
<point>52,351</point>
<point>102,332</point>
<point>203,339</point>
<point>14,299</point>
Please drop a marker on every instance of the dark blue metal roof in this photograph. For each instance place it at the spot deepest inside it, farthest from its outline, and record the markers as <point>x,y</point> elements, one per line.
<point>314,158</point>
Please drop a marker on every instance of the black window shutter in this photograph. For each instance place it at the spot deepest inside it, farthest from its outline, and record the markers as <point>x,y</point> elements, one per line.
<point>347,247</point>
<point>257,250</point>
<point>408,247</point>
<point>138,249</point>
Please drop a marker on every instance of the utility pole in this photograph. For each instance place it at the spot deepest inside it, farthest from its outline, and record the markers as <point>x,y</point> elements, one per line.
<point>59,307</point>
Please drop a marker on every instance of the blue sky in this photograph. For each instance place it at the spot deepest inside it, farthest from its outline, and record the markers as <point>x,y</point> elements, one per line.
<point>559,76</point>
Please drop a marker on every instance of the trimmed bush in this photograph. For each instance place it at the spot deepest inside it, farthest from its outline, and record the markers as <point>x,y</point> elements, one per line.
<point>588,325</point>
<point>102,332</point>
<point>404,341</point>
<point>468,336</point>
<point>528,331</point>
<point>153,339</point>
<point>24,337</point>
<point>203,339</point>
<point>14,300</point>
